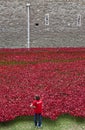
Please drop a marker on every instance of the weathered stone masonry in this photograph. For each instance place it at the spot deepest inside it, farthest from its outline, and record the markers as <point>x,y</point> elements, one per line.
<point>53,23</point>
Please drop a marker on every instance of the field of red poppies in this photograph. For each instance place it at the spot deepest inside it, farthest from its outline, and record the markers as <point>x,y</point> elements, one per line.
<point>56,74</point>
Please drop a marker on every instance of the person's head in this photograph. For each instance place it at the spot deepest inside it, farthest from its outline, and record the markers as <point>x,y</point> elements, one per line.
<point>37,97</point>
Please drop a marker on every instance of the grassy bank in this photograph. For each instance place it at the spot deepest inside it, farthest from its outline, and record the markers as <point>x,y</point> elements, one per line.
<point>64,122</point>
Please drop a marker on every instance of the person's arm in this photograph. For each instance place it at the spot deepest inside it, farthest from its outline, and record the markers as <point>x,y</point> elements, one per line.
<point>32,106</point>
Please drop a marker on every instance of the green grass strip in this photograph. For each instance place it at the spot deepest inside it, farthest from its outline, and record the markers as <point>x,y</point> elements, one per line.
<point>64,122</point>
<point>40,61</point>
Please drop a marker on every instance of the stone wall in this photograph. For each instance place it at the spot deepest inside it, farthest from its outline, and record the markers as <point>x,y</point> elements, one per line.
<point>53,23</point>
<point>13,32</point>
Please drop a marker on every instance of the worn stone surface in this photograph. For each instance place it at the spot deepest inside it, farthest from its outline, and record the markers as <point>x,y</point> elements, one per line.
<point>66,23</point>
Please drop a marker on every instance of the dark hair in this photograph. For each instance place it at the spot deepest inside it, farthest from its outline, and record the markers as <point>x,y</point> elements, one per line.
<point>37,97</point>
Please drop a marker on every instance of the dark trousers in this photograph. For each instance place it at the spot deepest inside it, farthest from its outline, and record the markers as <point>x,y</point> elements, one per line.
<point>38,119</point>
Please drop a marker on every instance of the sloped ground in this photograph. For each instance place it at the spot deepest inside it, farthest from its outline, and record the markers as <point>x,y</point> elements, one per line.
<point>57,75</point>
<point>64,122</point>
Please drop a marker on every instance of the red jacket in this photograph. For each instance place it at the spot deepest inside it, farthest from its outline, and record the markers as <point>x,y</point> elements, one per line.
<point>38,106</point>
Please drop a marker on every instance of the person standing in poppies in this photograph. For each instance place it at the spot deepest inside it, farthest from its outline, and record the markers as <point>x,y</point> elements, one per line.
<point>37,105</point>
